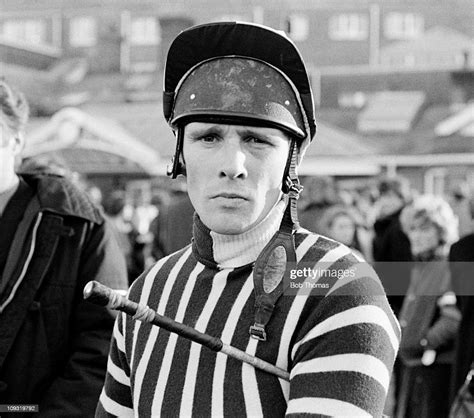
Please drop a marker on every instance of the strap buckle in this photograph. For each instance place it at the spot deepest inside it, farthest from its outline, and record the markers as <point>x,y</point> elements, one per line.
<point>257,331</point>
<point>293,187</point>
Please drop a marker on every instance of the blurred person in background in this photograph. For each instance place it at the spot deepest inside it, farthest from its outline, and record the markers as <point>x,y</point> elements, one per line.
<point>141,213</point>
<point>429,316</point>
<point>364,202</point>
<point>53,345</point>
<point>460,199</point>
<point>114,205</point>
<point>390,242</point>
<point>390,245</point>
<point>341,224</point>
<point>321,193</point>
<point>461,257</point>
<point>94,193</point>
<point>172,229</point>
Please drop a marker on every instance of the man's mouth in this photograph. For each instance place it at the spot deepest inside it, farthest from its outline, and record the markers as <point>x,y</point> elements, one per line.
<point>226,195</point>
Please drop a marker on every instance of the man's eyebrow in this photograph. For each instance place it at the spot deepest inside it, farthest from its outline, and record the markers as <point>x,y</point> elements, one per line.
<point>253,132</point>
<point>264,135</point>
<point>201,131</point>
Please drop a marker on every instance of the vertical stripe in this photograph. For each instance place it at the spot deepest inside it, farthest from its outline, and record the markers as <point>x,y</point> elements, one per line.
<point>218,284</point>
<point>221,359</point>
<point>144,295</point>
<point>303,248</point>
<point>297,306</point>
<point>144,361</point>
<point>253,405</point>
<point>117,334</point>
<point>168,357</point>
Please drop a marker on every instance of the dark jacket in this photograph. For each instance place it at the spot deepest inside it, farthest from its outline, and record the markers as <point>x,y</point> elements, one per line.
<point>462,270</point>
<point>53,344</point>
<point>392,254</point>
<point>424,315</point>
<point>390,242</point>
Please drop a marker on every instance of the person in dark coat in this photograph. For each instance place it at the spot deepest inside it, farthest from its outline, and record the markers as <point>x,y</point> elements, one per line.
<point>390,246</point>
<point>429,317</point>
<point>461,259</point>
<point>53,344</point>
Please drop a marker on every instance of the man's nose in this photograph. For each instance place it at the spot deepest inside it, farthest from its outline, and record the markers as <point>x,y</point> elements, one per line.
<point>233,161</point>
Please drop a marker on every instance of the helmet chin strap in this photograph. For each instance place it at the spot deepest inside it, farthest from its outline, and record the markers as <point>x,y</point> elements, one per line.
<point>291,185</point>
<point>177,167</point>
<point>276,258</point>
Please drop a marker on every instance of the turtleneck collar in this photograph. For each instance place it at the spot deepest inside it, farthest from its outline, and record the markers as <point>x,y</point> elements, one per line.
<point>232,251</point>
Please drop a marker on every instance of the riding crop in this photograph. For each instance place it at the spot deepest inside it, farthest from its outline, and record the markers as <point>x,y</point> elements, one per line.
<point>99,294</point>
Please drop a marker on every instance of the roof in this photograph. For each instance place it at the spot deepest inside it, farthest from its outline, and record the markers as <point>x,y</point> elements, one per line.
<point>90,144</point>
<point>331,140</point>
<point>390,111</point>
<point>419,140</point>
<point>462,121</point>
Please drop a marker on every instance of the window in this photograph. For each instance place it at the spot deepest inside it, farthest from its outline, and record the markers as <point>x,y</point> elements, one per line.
<point>145,31</point>
<point>82,31</point>
<point>297,27</point>
<point>349,27</point>
<point>403,25</point>
<point>29,31</point>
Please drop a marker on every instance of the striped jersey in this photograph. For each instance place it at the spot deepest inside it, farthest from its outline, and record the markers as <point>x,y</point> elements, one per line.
<point>338,340</point>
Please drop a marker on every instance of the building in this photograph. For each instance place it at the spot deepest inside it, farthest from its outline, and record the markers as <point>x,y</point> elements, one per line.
<point>133,35</point>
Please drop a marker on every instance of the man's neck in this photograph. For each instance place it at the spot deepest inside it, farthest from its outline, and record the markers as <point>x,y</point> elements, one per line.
<point>232,251</point>
<point>7,192</point>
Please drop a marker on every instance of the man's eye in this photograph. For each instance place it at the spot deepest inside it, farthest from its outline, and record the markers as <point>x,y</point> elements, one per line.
<point>255,140</point>
<point>208,139</point>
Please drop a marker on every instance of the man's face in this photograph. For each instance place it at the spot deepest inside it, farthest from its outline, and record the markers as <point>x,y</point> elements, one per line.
<point>388,203</point>
<point>423,235</point>
<point>234,173</point>
<point>342,229</point>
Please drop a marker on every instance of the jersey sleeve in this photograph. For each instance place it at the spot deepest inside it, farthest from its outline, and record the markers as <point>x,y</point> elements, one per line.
<point>342,360</point>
